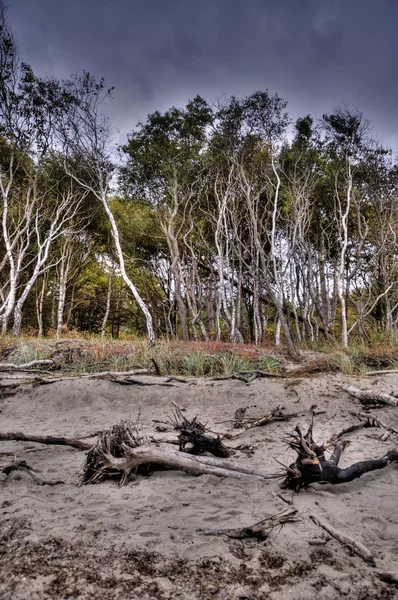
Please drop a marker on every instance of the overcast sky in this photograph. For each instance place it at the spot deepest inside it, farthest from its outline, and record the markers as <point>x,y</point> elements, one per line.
<point>316,54</point>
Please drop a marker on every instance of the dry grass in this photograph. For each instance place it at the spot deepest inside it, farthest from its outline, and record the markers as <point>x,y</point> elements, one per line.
<point>89,354</point>
<point>171,358</point>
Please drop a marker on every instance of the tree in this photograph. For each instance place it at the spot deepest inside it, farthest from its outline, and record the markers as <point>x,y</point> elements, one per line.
<point>85,137</point>
<point>162,165</point>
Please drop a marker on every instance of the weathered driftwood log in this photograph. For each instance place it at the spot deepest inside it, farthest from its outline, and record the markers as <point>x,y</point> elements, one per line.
<point>366,396</point>
<point>355,546</point>
<point>25,366</point>
<point>138,382</point>
<point>385,372</point>
<point>119,452</point>
<point>261,530</point>
<point>99,375</point>
<point>311,466</point>
<point>21,465</point>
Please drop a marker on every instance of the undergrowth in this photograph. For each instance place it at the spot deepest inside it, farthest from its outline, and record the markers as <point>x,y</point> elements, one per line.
<point>168,358</point>
<point>197,359</point>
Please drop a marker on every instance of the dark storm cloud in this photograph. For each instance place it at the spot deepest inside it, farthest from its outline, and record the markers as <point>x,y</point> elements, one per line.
<point>314,53</point>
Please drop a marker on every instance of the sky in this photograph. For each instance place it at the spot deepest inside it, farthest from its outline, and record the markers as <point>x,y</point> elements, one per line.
<point>317,54</point>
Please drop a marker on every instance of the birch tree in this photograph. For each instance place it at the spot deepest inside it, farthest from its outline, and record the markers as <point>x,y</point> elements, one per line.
<point>86,139</point>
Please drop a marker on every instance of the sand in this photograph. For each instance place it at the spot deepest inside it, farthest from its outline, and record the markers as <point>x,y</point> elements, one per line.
<point>144,540</point>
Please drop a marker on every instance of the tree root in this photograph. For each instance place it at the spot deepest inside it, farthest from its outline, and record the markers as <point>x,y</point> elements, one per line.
<point>193,432</point>
<point>311,465</point>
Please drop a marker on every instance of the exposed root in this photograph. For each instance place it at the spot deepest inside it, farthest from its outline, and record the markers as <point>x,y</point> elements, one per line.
<point>311,466</point>
<point>115,442</point>
<point>192,433</point>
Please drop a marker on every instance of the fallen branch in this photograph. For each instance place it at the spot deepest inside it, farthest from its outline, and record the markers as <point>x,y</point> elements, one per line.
<point>248,376</point>
<point>374,421</point>
<point>370,395</point>
<point>275,414</point>
<point>356,547</point>
<point>140,383</point>
<point>100,375</point>
<point>261,530</point>
<point>45,439</point>
<point>21,465</point>
<point>24,366</point>
<point>386,372</point>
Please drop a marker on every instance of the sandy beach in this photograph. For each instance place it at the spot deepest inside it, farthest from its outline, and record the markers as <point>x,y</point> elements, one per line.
<point>145,540</point>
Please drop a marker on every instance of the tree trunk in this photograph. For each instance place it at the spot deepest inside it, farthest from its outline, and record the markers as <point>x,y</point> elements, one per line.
<point>108,306</point>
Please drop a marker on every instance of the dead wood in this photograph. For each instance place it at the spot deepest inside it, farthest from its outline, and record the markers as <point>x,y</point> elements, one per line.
<point>355,546</point>
<point>311,466</point>
<point>119,452</point>
<point>385,372</point>
<point>138,382</point>
<point>107,464</point>
<point>374,421</point>
<point>100,375</point>
<point>260,530</point>
<point>337,436</point>
<point>25,366</point>
<point>248,376</point>
<point>179,379</point>
<point>276,414</point>
<point>21,465</point>
<point>193,433</point>
<point>281,497</point>
<point>366,396</point>
<point>18,436</point>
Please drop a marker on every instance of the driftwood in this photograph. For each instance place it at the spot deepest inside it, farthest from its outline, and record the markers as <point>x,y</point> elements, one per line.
<point>356,547</point>
<point>119,451</point>
<point>138,382</point>
<point>24,366</point>
<point>17,436</point>
<point>195,465</point>
<point>275,414</point>
<point>385,372</point>
<point>21,465</point>
<point>311,466</point>
<point>100,375</point>
<point>374,421</point>
<point>248,376</point>
<point>193,432</point>
<point>370,395</point>
<point>261,530</point>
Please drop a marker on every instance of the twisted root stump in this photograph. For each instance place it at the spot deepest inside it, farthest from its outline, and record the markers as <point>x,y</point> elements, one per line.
<point>311,465</point>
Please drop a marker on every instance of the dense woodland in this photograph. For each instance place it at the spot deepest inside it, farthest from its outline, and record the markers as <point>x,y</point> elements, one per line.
<point>223,223</point>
